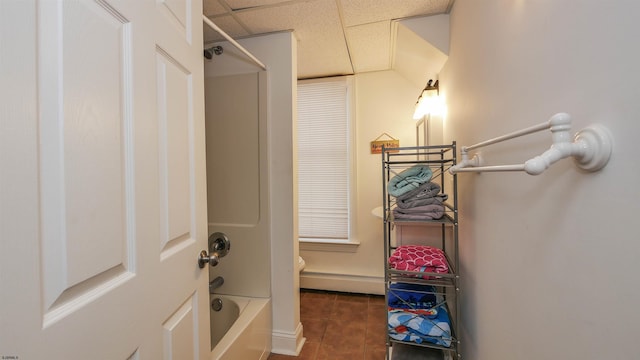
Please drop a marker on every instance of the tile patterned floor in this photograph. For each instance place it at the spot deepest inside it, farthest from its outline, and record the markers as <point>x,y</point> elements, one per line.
<point>341,326</point>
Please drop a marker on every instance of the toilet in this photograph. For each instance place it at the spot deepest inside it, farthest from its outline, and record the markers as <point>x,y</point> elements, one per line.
<point>301,263</point>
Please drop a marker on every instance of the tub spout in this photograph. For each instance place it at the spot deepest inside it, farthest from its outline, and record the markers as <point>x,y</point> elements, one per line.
<point>215,283</point>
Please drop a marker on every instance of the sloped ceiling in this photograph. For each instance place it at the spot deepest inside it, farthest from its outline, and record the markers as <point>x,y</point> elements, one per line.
<point>335,37</point>
<point>421,48</point>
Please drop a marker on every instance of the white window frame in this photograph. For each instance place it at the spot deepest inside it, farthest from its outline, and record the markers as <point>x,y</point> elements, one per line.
<point>351,243</point>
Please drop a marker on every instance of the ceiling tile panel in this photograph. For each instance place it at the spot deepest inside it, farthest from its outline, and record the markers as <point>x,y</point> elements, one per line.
<point>242,4</point>
<point>228,24</point>
<point>322,48</point>
<point>212,7</point>
<point>370,46</point>
<point>357,12</point>
<point>328,45</point>
<point>304,16</point>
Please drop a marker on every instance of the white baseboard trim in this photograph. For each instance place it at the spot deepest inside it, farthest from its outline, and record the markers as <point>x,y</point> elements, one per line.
<point>342,282</point>
<point>287,343</point>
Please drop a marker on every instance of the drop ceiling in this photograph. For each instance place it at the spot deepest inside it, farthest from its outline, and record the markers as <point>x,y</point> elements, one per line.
<point>335,37</point>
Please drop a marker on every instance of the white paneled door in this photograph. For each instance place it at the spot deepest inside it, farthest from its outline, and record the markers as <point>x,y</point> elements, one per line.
<point>103,189</point>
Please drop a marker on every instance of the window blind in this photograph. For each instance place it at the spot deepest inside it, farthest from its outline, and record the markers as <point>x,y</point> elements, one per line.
<point>323,160</point>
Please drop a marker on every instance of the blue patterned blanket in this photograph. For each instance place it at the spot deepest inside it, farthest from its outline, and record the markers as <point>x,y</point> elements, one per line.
<point>411,325</point>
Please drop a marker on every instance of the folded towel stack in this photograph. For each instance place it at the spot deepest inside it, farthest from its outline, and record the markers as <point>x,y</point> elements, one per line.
<point>425,194</point>
<point>420,259</point>
<point>409,179</point>
<point>417,314</point>
<point>408,326</point>
<point>425,212</point>
<point>412,296</point>
<point>417,197</point>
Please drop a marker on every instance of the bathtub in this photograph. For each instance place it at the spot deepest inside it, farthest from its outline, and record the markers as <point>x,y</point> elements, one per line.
<point>241,329</point>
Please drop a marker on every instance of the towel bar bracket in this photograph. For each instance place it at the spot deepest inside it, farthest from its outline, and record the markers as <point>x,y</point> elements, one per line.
<point>596,143</point>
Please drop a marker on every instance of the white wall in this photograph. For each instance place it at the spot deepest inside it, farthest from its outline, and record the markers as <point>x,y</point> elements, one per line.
<point>384,103</point>
<point>550,262</point>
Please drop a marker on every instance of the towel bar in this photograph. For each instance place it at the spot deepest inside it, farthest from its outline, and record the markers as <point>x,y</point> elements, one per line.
<point>590,148</point>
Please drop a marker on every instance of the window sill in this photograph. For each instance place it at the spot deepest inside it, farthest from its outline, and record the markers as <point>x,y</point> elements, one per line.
<point>329,245</point>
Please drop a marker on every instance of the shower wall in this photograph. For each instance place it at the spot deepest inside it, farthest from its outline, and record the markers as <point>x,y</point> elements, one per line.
<point>237,194</point>
<point>267,265</point>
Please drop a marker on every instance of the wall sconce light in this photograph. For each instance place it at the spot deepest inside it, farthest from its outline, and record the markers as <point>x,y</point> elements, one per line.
<point>429,101</point>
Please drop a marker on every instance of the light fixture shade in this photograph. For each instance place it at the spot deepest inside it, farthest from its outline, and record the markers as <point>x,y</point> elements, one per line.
<point>429,102</point>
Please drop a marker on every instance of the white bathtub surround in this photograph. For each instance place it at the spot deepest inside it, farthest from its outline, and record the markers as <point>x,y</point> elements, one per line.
<point>249,338</point>
<point>279,260</point>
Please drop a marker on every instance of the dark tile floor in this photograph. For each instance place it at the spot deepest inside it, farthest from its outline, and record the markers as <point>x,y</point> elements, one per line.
<point>341,326</point>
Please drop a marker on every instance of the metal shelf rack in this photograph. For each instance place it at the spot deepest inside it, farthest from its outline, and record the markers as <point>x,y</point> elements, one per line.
<point>441,233</point>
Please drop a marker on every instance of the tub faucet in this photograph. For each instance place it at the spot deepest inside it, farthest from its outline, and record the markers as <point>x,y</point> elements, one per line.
<point>215,283</point>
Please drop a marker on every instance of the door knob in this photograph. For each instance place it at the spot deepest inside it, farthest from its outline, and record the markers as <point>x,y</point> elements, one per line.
<point>205,258</point>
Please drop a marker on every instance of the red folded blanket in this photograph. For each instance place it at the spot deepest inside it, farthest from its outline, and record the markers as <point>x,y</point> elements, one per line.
<point>419,258</point>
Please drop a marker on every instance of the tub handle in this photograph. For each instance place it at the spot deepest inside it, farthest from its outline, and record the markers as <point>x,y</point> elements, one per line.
<point>205,258</point>
<point>219,243</point>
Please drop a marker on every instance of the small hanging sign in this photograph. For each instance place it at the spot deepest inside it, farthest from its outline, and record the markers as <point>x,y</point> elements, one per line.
<point>377,144</point>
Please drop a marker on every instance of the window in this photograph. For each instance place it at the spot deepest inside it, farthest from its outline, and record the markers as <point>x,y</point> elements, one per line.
<point>325,166</point>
